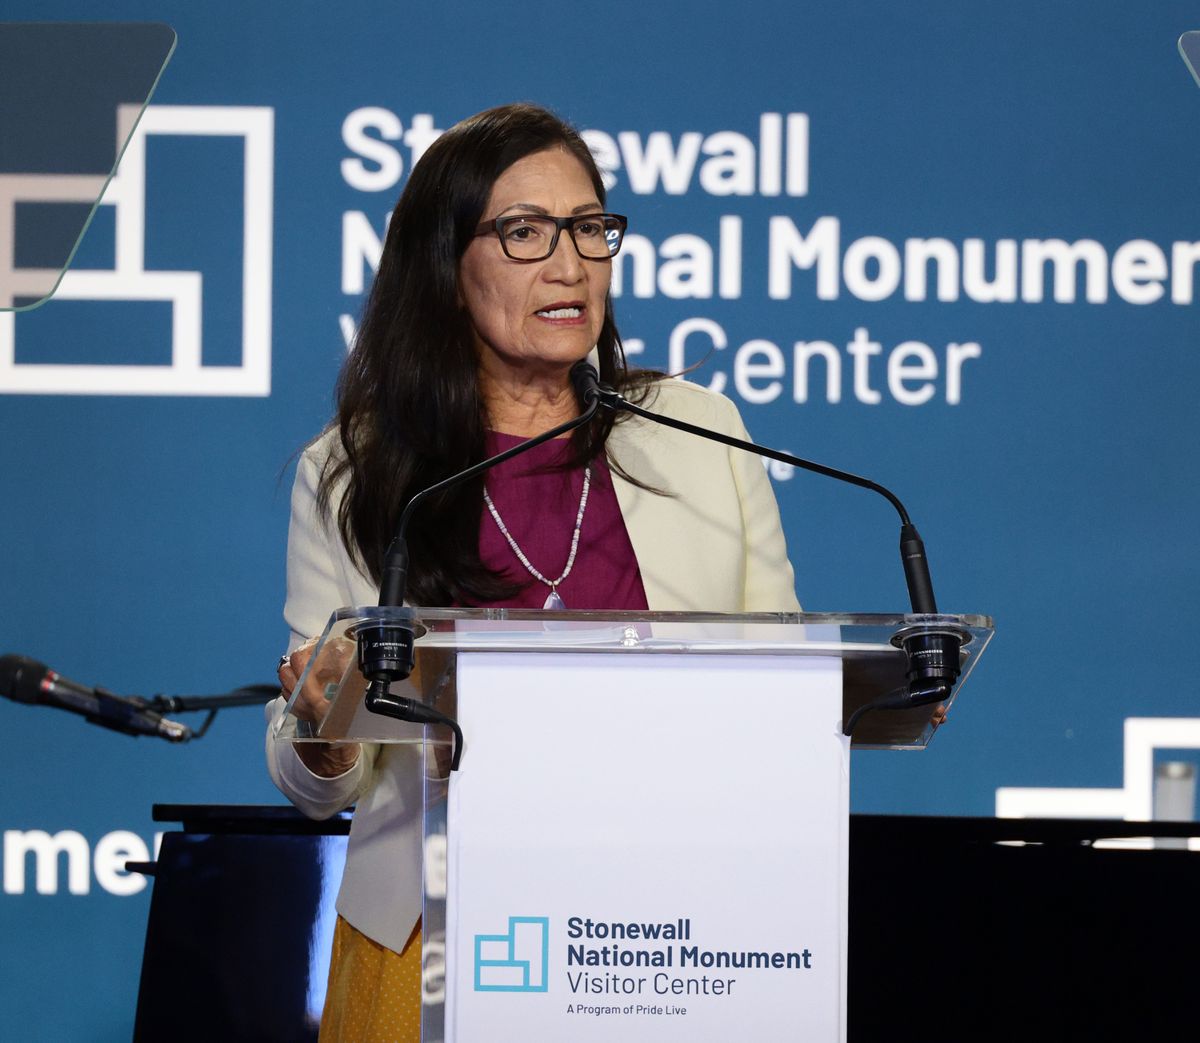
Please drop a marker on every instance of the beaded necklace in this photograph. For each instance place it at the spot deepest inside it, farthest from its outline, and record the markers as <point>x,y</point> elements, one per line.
<point>554,600</point>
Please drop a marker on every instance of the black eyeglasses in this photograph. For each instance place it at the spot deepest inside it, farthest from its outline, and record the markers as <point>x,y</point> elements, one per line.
<point>531,237</point>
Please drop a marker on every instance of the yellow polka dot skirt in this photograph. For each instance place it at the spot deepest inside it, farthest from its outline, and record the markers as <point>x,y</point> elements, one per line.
<point>374,994</point>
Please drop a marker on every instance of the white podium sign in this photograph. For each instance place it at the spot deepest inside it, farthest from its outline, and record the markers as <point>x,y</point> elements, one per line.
<point>647,848</point>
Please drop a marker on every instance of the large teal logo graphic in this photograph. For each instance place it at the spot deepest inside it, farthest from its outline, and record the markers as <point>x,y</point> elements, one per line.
<point>516,961</point>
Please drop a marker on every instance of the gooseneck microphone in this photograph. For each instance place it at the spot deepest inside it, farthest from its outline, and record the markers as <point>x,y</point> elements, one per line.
<point>932,652</point>
<point>27,681</point>
<point>385,648</point>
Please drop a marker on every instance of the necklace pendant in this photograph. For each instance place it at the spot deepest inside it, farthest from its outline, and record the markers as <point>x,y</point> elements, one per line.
<point>554,603</point>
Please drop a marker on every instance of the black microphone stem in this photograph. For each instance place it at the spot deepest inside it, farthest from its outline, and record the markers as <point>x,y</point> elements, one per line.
<point>774,454</point>
<point>916,566</point>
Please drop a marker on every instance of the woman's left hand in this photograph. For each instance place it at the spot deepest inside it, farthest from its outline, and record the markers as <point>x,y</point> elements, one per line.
<point>325,759</point>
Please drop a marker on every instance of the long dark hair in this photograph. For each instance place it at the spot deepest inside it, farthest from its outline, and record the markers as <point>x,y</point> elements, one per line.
<point>409,407</point>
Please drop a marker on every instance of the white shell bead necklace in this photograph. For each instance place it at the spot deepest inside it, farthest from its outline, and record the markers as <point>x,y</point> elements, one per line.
<point>554,600</point>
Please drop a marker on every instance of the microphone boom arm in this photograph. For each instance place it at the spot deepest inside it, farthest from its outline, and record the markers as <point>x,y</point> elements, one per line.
<point>916,566</point>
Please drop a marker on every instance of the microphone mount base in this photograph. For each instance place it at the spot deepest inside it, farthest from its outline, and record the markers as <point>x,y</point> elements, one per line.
<point>385,650</point>
<point>934,663</point>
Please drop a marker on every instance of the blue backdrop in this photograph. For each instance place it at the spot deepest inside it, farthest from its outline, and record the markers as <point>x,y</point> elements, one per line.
<point>952,248</point>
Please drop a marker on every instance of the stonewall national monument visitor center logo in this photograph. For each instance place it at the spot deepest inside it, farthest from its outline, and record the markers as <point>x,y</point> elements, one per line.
<point>516,961</point>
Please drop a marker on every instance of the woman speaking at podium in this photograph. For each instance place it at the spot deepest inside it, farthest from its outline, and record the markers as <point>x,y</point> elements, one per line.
<point>493,282</point>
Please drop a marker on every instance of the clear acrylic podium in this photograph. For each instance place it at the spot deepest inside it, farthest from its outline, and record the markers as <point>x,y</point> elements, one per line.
<point>650,807</point>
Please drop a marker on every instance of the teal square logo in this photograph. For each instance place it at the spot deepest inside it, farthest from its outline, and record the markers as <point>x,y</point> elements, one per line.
<point>516,961</point>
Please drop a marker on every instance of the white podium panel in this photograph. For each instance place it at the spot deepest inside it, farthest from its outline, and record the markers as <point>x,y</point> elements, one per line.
<point>647,848</point>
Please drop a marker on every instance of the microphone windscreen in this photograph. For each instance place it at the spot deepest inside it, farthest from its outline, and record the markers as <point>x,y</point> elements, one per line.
<point>21,678</point>
<point>585,379</point>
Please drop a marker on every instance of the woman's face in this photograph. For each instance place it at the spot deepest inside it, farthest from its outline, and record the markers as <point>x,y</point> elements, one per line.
<point>535,318</point>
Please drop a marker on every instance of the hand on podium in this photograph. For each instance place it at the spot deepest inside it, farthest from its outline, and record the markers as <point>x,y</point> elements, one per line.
<point>325,759</point>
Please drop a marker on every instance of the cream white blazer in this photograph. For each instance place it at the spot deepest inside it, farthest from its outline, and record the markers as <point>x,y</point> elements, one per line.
<point>712,543</point>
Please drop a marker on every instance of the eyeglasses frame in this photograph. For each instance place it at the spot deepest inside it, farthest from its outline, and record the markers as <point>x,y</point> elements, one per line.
<point>497,225</point>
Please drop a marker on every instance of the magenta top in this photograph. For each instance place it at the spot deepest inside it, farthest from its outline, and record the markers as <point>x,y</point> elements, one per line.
<point>538,508</point>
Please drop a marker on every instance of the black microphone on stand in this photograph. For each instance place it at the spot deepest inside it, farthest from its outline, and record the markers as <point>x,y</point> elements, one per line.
<point>385,648</point>
<point>932,652</point>
<point>27,681</point>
